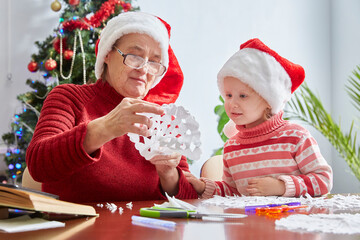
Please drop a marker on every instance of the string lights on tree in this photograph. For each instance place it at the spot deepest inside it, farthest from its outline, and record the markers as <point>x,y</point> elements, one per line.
<point>71,49</point>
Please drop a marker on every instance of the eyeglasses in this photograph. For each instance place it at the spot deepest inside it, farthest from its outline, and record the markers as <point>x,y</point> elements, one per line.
<point>137,62</point>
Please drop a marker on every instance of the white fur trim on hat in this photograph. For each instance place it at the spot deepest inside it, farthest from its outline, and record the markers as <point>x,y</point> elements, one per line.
<point>261,72</point>
<point>132,22</point>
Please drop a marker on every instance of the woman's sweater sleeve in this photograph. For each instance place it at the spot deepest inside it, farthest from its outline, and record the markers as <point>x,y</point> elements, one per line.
<point>316,176</point>
<point>186,190</point>
<point>56,149</point>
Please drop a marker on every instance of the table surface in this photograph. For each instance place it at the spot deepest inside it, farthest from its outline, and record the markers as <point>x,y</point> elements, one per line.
<point>119,226</point>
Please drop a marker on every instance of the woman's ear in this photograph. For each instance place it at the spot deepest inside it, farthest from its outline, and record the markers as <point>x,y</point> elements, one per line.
<point>106,60</point>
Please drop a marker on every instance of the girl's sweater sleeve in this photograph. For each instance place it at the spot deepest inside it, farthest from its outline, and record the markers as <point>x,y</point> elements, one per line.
<point>316,176</point>
<point>226,187</point>
<point>56,149</point>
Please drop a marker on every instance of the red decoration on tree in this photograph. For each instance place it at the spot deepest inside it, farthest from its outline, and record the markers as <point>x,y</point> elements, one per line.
<point>106,9</point>
<point>33,66</point>
<point>56,44</point>
<point>74,24</point>
<point>68,54</point>
<point>126,6</point>
<point>50,64</point>
<point>74,2</point>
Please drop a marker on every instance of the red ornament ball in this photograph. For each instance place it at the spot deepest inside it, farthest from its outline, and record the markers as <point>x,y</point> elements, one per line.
<point>50,64</point>
<point>68,54</point>
<point>74,2</point>
<point>33,66</point>
<point>127,7</point>
<point>56,44</point>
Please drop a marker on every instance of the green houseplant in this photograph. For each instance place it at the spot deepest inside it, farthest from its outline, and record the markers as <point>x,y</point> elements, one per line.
<point>307,107</point>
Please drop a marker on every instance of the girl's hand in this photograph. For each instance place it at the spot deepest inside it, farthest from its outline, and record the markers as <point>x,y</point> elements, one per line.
<point>265,186</point>
<point>198,185</point>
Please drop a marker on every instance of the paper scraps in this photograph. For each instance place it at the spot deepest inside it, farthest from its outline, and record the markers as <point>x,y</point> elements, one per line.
<point>177,203</point>
<point>112,207</point>
<point>175,131</point>
<point>340,223</point>
<point>329,223</point>
<point>129,205</point>
<point>334,202</point>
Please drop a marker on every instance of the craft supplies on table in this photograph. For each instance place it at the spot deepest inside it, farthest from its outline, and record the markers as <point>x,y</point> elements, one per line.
<point>171,212</point>
<point>153,222</point>
<point>253,208</point>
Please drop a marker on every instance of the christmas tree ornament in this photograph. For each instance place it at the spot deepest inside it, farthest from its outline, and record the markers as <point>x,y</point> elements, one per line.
<point>175,131</point>
<point>126,6</point>
<point>68,54</point>
<point>73,57</point>
<point>74,2</point>
<point>56,44</point>
<point>96,19</point>
<point>33,66</point>
<point>50,64</point>
<point>56,6</point>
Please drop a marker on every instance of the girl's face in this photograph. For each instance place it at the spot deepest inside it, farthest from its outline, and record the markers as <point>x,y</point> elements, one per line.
<point>242,104</point>
<point>125,80</point>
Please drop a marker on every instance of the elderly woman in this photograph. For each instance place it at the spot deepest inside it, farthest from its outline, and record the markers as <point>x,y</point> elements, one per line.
<point>80,149</point>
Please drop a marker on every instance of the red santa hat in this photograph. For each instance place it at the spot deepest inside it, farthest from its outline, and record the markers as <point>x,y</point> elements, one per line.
<point>261,68</point>
<point>166,88</point>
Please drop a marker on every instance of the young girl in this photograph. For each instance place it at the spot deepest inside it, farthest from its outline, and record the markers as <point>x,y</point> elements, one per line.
<point>267,155</point>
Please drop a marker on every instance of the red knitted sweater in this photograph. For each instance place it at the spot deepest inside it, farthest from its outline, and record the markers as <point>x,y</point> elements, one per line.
<point>115,172</point>
<point>275,148</point>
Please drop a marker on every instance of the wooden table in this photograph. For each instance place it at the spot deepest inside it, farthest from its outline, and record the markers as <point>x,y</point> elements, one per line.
<point>115,226</point>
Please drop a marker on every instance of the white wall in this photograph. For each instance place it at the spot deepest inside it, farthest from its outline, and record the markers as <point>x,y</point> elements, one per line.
<point>205,33</point>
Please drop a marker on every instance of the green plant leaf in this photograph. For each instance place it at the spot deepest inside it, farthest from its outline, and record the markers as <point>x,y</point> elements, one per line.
<point>307,107</point>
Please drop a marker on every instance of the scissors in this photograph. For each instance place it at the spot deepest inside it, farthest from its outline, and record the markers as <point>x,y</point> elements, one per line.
<point>173,212</point>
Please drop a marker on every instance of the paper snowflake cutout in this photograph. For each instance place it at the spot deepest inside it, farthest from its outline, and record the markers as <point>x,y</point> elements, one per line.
<point>174,131</point>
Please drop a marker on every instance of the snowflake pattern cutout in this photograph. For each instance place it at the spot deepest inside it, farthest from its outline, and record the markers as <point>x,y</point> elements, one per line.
<point>175,131</point>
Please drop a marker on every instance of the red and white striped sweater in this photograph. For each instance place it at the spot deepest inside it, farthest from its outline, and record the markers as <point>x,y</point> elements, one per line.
<point>274,148</point>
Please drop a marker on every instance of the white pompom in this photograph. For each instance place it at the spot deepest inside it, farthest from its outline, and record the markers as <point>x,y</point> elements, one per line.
<point>230,129</point>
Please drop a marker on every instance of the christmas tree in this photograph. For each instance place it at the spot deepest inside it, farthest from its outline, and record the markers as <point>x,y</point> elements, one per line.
<point>66,56</point>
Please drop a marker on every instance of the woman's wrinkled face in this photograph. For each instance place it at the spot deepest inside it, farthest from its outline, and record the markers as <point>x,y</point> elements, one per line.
<point>127,81</point>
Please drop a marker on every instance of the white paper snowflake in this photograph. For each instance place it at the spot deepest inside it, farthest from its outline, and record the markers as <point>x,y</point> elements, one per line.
<point>343,223</point>
<point>336,202</point>
<point>129,205</point>
<point>175,131</point>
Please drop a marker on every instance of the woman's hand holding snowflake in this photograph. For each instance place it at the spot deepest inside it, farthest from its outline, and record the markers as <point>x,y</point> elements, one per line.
<point>166,168</point>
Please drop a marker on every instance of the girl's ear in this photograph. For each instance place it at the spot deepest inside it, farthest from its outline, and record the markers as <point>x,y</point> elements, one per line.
<point>267,113</point>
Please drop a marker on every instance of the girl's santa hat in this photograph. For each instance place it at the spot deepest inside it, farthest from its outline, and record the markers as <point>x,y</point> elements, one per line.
<point>166,88</point>
<point>261,68</point>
